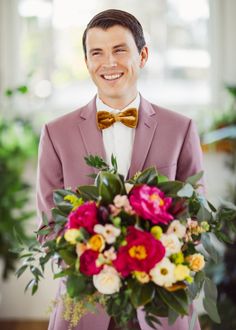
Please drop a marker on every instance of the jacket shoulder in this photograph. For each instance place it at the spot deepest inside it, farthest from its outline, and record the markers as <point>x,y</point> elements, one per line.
<point>170,115</point>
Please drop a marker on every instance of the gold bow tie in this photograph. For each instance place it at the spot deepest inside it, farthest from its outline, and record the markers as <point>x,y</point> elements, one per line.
<point>127,117</point>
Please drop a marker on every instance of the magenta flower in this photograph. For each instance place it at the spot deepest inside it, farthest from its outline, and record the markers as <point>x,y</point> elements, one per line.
<point>84,216</point>
<point>151,204</point>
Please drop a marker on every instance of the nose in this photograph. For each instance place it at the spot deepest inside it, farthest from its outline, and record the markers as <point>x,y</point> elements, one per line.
<point>109,61</point>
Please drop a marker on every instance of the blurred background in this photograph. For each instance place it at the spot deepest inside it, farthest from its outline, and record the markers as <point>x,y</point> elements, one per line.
<point>191,69</point>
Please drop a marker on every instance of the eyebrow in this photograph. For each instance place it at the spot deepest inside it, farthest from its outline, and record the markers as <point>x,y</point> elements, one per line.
<point>100,49</point>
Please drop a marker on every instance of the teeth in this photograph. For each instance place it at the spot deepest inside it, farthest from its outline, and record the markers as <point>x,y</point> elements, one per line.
<point>112,77</point>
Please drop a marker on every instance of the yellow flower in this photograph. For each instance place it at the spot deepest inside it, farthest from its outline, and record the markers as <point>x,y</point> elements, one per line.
<point>177,258</point>
<point>205,226</point>
<point>74,200</point>
<point>72,235</point>
<point>142,277</point>
<point>156,231</point>
<point>138,252</point>
<point>196,262</point>
<point>96,243</point>
<point>181,272</point>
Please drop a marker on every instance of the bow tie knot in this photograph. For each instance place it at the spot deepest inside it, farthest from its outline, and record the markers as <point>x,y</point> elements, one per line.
<point>127,117</point>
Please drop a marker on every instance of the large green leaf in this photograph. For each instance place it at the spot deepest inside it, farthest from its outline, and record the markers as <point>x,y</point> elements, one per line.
<point>141,294</point>
<point>148,176</point>
<point>110,185</point>
<point>75,285</point>
<point>58,198</point>
<point>195,178</point>
<point>209,246</point>
<point>186,191</point>
<point>177,300</point>
<point>210,299</point>
<point>88,192</point>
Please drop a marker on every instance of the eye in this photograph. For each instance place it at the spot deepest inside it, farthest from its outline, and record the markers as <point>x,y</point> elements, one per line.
<point>120,50</point>
<point>95,53</point>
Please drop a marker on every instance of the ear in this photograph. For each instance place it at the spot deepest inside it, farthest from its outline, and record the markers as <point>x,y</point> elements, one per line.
<point>143,56</point>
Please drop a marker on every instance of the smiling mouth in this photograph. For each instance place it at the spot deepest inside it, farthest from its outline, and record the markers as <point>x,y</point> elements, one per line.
<point>111,77</point>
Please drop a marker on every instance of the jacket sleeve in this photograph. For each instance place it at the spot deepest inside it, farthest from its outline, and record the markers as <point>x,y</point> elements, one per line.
<point>190,159</point>
<point>49,175</point>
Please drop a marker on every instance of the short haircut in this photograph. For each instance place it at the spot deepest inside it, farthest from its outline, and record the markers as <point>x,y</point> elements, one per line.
<point>111,17</point>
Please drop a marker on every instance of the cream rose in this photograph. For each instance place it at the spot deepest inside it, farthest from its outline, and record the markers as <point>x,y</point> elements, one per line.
<point>176,228</point>
<point>171,243</point>
<point>196,262</point>
<point>107,281</point>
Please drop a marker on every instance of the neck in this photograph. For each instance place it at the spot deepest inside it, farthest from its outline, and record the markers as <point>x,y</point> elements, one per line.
<point>118,103</point>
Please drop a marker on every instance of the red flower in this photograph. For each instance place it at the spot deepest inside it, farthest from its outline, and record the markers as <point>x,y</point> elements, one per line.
<point>88,263</point>
<point>141,253</point>
<point>84,216</point>
<point>151,204</point>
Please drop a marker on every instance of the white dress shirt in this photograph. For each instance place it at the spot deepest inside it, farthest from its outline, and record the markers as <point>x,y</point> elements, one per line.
<point>118,139</point>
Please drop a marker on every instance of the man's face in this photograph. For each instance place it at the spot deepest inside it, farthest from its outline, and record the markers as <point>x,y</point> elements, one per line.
<point>114,62</point>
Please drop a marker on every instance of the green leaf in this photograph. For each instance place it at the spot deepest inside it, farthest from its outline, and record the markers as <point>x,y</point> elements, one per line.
<point>141,294</point>
<point>68,256</point>
<point>45,219</point>
<point>58,199</point>
<point>114,163</point>
<point>193,320</point>
<point>96,161</point>
<point>23,89</point>
<point>58,216</point>
<point>209,247</point>
<point>110,185</point>
<point>171,187</point>
<point>88,192</point>
<point>172,316</point>
<point>196,286</point>
<point>195,178</point>
<point>186,191</point>
<point>44,231</point>
<point>148,176</point>
<point>177,300</point>
<point>210,299</point>
<point>211,309</point>
<point>21,270</point>
<point>75,285</point>
<point>64,272</point>
<point>162,178</point>
<point>223,237</point>
<point>210,289</point>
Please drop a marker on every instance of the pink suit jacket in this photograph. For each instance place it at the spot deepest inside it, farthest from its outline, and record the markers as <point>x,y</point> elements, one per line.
<point>163,139</point>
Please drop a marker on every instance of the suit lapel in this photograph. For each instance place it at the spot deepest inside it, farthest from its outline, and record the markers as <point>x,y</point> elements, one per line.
<point>90,133</point>
<point>143,136</point>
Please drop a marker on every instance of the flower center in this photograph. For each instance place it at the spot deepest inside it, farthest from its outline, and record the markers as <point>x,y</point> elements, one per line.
<point>164,271</point>
<point>156,198</point>
<point>138,252</point>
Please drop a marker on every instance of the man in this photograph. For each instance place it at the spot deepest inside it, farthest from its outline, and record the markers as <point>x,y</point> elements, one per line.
<point>115,52</point>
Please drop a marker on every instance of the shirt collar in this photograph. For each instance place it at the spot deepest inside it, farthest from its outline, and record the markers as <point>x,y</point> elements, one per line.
<point>102,106</point>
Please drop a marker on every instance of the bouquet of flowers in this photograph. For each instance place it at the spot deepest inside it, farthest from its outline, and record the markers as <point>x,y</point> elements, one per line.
<point>141,243</point>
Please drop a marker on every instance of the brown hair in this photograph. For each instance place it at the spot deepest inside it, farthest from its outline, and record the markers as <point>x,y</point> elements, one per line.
<point>111,17</point>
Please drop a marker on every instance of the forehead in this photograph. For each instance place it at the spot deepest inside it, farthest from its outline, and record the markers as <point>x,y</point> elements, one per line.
<point>100,38</point>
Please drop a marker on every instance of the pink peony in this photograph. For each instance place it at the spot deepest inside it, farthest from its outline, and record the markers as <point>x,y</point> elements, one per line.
<point>84,216</point>
<point>151,204</point>
<point>141,253</point>
<point>88,263</point>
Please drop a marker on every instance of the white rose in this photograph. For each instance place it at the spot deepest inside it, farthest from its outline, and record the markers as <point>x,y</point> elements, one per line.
<point>163,273</point>
<point>171,243</point>
<point>107,281</point>
<point>176,228</point>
